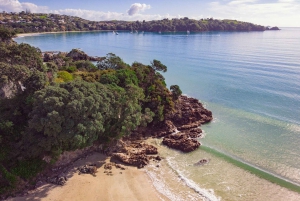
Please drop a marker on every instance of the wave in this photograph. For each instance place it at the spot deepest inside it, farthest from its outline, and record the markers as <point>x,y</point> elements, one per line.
<point>284,182</point>
<point>206,194</point>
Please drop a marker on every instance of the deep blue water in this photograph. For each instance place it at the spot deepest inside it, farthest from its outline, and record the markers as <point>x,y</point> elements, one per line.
<point>250,81</point>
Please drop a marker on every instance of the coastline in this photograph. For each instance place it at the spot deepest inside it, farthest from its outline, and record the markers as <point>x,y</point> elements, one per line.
<point>52,32</point>
<point>128,184</point>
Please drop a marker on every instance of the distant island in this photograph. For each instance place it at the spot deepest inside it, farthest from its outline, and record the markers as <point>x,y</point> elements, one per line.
<point>26,22</point>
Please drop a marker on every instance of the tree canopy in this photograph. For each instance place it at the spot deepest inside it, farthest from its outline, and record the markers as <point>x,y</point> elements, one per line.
<point>46,109</point>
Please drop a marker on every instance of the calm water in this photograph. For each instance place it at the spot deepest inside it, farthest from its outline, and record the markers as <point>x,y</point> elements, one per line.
<point>250,81</point>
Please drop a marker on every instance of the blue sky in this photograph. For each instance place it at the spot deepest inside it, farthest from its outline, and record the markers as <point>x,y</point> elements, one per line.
<point>265,12</point>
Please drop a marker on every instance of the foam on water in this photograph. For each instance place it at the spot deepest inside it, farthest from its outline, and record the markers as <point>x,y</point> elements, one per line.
<point>206,194</point>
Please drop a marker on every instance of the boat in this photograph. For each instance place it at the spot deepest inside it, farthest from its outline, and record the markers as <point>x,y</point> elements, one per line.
<point>188,32</point>
<point>117,33</point>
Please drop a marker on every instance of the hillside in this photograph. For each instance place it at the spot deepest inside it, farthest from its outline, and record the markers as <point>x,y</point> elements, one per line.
<point>24,22</point>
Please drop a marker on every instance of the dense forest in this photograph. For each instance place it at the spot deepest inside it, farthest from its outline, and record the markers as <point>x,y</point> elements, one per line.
<point>64,102</point>
<point>25,22</point>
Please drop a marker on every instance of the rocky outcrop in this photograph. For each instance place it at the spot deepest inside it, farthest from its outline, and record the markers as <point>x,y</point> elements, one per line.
<point>272,28</point>
<point>136,154</point>
<point>190,113</point>
<point>77,55</point>
<point>138,160</point>
<point>181,141</point>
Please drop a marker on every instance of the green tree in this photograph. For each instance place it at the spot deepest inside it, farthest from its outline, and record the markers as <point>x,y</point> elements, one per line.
<point>158,66</point>
<point>111,61</point>
<point>176,91</point>
<point>67,117</point>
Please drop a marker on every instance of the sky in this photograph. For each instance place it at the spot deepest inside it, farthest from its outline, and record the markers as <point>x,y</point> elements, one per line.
<point>282,13</point>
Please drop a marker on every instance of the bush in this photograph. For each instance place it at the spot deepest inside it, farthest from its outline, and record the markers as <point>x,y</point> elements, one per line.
<point>29,168</point>
<point>65,76</point>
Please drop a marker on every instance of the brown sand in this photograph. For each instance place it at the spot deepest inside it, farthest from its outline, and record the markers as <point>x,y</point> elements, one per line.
<point>122,185</point>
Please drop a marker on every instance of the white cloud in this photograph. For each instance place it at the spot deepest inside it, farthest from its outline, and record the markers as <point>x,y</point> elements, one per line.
<point>16,6</point>
<point>235,2</point>
<point>137,7</point>
<point>280,13</point>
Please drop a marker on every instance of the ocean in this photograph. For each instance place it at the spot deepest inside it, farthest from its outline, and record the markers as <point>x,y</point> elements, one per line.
<point>251,83</point>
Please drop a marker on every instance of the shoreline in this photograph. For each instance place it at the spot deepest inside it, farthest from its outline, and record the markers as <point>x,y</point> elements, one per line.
<point>19,35</point>
<point>129,184</point>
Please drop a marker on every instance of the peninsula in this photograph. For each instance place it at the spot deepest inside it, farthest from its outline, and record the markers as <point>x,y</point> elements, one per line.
<point>58,107</point>
<point>26,22</point>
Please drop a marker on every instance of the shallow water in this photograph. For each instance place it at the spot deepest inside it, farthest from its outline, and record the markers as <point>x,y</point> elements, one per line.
<point>250,81</point>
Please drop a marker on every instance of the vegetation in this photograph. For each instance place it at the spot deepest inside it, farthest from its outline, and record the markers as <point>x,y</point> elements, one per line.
<point>46,108</point>
<point>25,22</point>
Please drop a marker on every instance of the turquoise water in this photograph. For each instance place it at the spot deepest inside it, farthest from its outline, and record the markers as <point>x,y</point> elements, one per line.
<point>250,81</point>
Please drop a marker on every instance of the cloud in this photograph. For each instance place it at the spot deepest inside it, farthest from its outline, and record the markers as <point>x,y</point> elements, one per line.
<point>279,13</point>
<point>16,6</point>
<point>99,15</point>
<point>137,7</point>
<point>235,2</point>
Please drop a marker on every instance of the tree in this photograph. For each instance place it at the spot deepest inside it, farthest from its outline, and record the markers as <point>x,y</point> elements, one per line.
<point>111,61</point>
<point>6,34</point>
<point>67,117</point>
<point>176,91</point>
<point>158,66</point>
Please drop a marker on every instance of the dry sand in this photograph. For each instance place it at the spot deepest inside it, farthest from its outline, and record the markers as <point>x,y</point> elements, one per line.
<point>129,184</point>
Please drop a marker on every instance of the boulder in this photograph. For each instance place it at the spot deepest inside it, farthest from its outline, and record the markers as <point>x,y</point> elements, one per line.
<point>181,142</point>
<point>77,55</point>
<point>138,160</point>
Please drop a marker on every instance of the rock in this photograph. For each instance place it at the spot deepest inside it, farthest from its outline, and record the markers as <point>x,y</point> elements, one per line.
<point>189,113</point>
<point>120,167</point>
<point>77,55</point>
<point>108,166</point>
<point>48,56</point>
<point>88,169</point>
<point>58,180</point>
<point>138,160</point>
<point>274,28</point>
<point>201,162</point>
<point>144,148</point>
<point>181,142</point>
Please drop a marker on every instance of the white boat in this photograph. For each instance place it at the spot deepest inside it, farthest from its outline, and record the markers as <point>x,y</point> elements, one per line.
<point>117,33</point>
<point>113,32</point>
<point>159,32</point>
<point>188,32</point>
<point>136,31</point>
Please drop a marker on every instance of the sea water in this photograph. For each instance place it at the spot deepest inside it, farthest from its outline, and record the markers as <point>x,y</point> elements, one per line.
<point>251,83</point>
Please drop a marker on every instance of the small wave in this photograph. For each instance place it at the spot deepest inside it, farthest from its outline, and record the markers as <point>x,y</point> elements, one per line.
<point>294,128</point>
<point>206,194</point>
<point>161,187</point>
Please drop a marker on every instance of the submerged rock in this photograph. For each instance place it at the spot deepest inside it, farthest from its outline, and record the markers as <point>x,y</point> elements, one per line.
<point>201,162</point>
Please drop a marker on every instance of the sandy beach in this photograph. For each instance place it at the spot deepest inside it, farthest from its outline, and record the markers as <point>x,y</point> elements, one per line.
<point>39,33</point>
<point>129,184</point>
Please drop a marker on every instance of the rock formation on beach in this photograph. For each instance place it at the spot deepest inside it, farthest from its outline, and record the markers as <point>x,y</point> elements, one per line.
<point>180,127</point>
